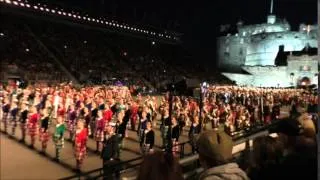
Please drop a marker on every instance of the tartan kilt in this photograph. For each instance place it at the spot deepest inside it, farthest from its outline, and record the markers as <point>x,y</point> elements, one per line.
<point>71,126</point>
<point>99,135</point>
<point>13,122</point>
<point>80,151</point>
<point>44,135</point>
<point>267,119</point>
<point>175,147</point>
<point>33,129</point>
<point>24,126</point>
<point>59,143</point>
<point>145,148</point>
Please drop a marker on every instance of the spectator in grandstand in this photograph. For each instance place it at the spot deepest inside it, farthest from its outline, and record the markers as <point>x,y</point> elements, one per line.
<point>215,153</point>
<point>267,156</point>
<point>160,166</point>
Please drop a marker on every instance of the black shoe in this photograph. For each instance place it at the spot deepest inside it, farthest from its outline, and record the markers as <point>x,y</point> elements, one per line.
<point>22,141</point>
<point>31,146</point>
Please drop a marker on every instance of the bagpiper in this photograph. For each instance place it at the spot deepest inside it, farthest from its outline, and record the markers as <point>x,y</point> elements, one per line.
<point>58,138</point>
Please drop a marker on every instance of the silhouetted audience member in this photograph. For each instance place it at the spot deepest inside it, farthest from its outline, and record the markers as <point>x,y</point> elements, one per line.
<point>215,153</point>
<point>267,156</point>
<point>160,166</point>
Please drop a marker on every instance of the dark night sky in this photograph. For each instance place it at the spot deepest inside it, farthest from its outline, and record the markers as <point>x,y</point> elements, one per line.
<point>198,20</point>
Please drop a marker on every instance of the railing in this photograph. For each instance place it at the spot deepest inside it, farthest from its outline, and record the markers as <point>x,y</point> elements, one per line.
<point>240,144</point>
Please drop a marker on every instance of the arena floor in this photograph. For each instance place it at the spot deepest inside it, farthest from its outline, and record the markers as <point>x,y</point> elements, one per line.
<point>18,161</point>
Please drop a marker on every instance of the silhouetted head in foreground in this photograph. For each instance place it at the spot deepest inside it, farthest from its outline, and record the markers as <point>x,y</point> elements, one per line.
<point>159,166</point>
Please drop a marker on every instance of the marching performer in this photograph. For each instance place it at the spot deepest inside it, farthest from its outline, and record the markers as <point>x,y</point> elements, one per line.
<point>23,120</point>
<point>72,115</point>
<point>175,136</point>
<point>13,113</point>
<point>164,127</point>
<point>58,138</point>
<point>44,131</point>
<point>6,110</point>
<point>148,139</point>
<point>194,131</point>
<point>33,124</point>
<point>80,147</point>
<point>99,131</point>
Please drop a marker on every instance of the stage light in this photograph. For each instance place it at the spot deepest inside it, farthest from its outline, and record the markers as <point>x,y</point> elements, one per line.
<point>21,4</point>
<point>59,12</point>
<point>93,20</point>
<point>53,11</point>
<point>64,13</point>
<point>79,17</point>
<point>1,0</point>
<point>41,8</point>
<point>121,26</point>
<point>89,19</point>
<point>27,50</point>
<point>69,14</point>
<point>98,21</point>
<point>47,10</point>
<point>117,25</point>
<point>65,46</point>
<point>74,16</point>
<point>15,3</point>
<point>107,22</point>
<point>153,43</point>
<point>85,42</point>
<point>84,18</point>
<point>35,7</point>
<point>1,34</point>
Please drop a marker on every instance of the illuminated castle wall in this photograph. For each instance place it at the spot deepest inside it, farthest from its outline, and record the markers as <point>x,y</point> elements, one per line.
<point>256,45</point>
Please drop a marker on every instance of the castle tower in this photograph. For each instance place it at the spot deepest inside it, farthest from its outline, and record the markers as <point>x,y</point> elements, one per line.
<point>271,19</point>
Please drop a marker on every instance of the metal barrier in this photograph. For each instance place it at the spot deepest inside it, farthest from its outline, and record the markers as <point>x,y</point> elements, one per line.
<point>240,144</point>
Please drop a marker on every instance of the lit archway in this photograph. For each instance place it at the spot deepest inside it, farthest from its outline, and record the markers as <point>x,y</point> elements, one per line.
<point>305,81</point>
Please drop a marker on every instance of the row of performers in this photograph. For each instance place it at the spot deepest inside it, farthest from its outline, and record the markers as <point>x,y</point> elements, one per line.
<point>35,124</point>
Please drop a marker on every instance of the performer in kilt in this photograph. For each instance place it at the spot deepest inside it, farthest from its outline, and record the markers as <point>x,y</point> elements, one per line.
<point>33,124</point>
<point>194,131</point>
<point>13,114</point>
<point>6,110</point>
<point>142,126</point>
<point>44,131</point>
<point>121,126</point>
<point>23,120</point>
<point>99,131</point>
<point>148,139</point>
<point>80,148</point>
<point>71,122</point>
<point>109,154</point>
<point>175,136</point>
<point>164,127</point>
<point>58,138</point>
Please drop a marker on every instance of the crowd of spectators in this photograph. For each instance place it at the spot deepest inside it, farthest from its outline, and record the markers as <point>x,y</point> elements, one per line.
<point>92,56</point>
<point>22,57</point>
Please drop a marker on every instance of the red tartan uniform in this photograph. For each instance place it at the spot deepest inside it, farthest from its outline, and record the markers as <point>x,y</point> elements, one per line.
<point>107,115</point>
<point>33,124</point>
<point>61,111</point>
<point>100,128</point>
<point>81,144</point>
<point>134,112</point>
